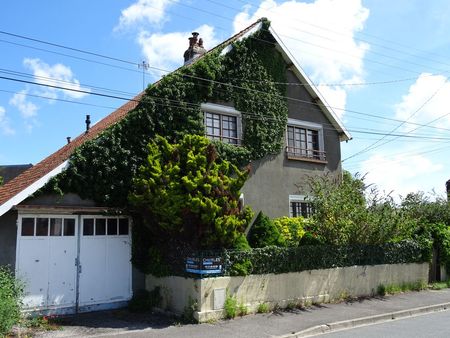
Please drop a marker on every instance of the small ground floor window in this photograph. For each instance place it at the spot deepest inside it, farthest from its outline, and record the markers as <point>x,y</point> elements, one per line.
<point>299,206</point>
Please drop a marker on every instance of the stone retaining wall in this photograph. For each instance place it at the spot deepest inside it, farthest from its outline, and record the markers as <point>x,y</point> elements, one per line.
<point>295,288</point>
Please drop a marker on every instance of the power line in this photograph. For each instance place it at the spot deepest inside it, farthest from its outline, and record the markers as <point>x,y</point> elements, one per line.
<point>196,107</point>
<point>373,145</point>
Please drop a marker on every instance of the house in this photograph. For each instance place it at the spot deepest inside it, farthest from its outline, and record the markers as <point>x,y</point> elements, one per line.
<point>73,250</point>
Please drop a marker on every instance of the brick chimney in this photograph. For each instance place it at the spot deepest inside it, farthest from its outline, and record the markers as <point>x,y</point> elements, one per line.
<point>195,49</point>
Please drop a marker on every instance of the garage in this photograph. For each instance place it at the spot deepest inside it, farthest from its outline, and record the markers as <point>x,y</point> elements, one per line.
<point>74,263</point>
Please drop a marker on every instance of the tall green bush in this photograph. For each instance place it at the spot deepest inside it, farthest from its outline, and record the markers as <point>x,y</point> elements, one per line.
<point>347,211</point>
<point>185,192</point>
<point>264,233</point>
<point>11,291</point>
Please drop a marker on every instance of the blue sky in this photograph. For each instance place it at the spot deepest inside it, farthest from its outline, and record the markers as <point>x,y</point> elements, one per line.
<point>383,65</point>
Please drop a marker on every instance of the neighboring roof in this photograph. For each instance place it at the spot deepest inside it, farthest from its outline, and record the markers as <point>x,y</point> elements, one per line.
<point>31,180</point>
<point>8,172</point>
<point>16,190</point>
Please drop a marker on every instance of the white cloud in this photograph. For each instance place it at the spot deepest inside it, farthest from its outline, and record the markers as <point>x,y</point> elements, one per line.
<point>402,174</point>
<point>432,88</point>
<point>5,126</point>
<point>301,27</point>
<point>56,75</point>
<point>165,51</point>
<point>144,11</point>
<point>27,109</point>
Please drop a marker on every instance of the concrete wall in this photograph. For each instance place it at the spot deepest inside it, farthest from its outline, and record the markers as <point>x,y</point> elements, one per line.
<point>274,178</point>
<point>304,287</point>
<point>8,238</point>
<point>177,292</point>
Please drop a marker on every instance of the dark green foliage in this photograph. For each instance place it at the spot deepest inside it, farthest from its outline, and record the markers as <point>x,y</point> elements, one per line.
<point>311,239</point>
<point>433,222</point>
<point>186,193</point>
<point>264,233</point>
<point>11,292</point>
<point>1,180</point>
<point>144,301</point>
<point>282,260</point>
<point>103,169</point>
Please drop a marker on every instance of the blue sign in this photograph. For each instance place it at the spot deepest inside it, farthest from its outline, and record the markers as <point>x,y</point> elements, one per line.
<point>204,265</point>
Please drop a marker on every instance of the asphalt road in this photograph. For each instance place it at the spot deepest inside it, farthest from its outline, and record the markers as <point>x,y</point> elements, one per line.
<point>434,325</point>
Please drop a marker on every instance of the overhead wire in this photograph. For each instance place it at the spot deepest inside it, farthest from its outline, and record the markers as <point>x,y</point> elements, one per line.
<point>196,107</point>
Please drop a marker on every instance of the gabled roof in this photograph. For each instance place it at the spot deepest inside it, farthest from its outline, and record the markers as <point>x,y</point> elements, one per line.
<point>31,180</point>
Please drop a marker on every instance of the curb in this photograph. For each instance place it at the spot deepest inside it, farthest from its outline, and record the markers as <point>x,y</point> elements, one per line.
<point>351,323</point>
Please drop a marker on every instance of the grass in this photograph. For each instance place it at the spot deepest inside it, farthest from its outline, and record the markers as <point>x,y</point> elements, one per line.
<point>263,308</point>
<point>393,289</point>
<point>230,307</point>
<point>440,285</point>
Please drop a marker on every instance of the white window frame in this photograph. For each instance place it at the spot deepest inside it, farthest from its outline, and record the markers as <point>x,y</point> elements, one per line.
<point>223,110</point>
<point>297,198</point>
<point>311,126</point>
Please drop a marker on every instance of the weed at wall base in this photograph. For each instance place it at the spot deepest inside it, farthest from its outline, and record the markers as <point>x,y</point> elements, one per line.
<point>263,308</point>
<point>393,289</point>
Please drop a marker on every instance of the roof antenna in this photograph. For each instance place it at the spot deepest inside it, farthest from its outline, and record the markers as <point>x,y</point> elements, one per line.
<point>88,123</point>
<point>144,66</point>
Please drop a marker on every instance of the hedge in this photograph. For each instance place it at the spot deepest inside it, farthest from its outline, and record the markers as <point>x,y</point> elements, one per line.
<point>278,260</point>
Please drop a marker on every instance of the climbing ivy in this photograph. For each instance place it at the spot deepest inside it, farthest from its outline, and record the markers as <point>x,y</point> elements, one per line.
<point>102,169</point>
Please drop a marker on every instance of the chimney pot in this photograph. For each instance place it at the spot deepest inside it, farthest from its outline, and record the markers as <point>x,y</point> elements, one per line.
<point>195,48</point>
<point>68,139</point>
<point>88,122</point>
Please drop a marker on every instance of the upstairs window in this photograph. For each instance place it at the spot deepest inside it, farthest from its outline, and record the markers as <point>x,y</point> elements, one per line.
<point>304,141</point>
<point>222,123</point>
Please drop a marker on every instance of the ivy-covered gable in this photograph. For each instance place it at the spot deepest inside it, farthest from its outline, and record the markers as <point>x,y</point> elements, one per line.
<point>247,77</point>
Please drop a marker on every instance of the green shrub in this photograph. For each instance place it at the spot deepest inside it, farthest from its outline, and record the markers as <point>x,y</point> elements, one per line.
<point>11,292</point>
<point>291,229</point>
<point>381,290</point>
<point>263,308</point>
<point>264,233</point>
<point>230,307</point>
<point>242,309</point>
<point>144,300</point>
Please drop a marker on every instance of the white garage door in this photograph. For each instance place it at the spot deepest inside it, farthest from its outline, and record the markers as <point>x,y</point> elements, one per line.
<point>105,254</point>
<point>60,255</point>
<point>46,258</point>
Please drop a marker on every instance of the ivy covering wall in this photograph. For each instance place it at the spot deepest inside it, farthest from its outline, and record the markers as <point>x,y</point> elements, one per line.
<point>102,169</point>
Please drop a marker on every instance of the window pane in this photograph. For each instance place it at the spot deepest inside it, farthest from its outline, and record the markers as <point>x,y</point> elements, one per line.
<point>123,226</point>
<point>42,227</point>
<point>55,226</point>
<point>112,226</point>
<point>88,227</point>
<point>100,226</point>
<point>69,227</point>
<point>27,226</point>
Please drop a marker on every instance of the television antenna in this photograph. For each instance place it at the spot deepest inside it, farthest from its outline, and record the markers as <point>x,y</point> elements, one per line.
<point>144,66</point>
